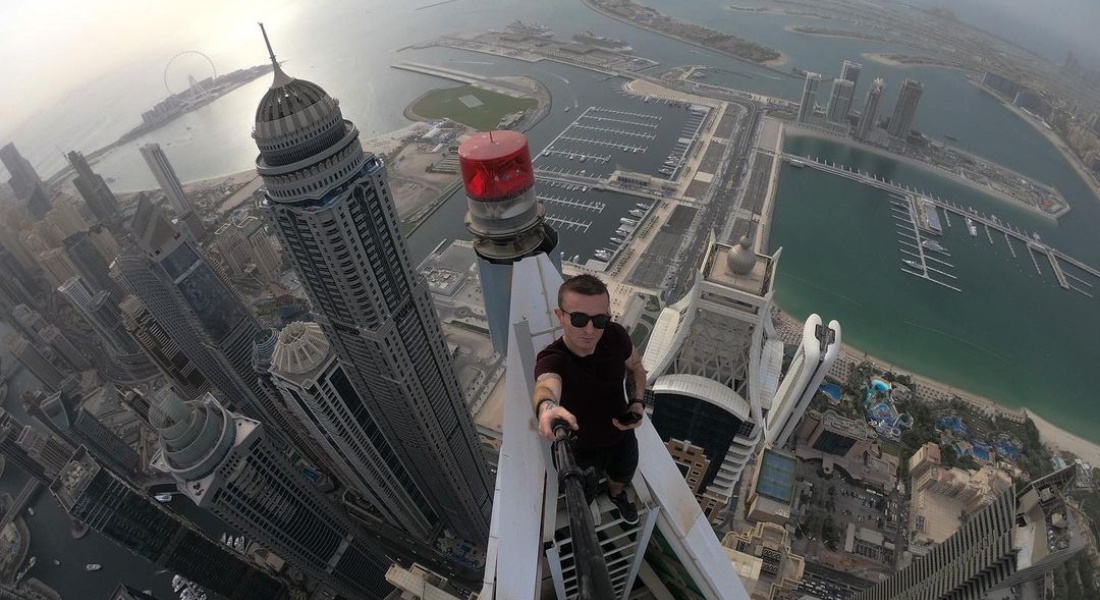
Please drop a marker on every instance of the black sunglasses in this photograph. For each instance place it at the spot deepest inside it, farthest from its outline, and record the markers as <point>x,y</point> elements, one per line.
<point>578,319</point>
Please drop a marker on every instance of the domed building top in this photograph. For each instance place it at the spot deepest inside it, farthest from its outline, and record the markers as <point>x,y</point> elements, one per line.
<point>292,111</point>
<point>741,259</point>
<point>302,348</point>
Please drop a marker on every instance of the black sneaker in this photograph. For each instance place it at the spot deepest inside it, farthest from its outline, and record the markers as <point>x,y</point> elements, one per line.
<point>627,512</point>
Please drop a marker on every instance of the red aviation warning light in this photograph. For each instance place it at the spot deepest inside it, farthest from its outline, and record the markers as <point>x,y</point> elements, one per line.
<point>500,189</point>
<point>496,165</point>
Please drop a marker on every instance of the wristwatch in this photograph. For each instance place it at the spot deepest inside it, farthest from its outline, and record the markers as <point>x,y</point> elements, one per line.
<point>636,401</point>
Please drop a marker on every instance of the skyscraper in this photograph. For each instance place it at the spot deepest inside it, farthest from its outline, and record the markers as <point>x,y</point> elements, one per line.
<point>840,102</point>
<point>64,414</point>
<point>809,98</point>
<point>813,359</point>
<point>93,267</point>
<point>850,71</point>
<point>713,367</point>
<point>199,310</point>
<point>228,464</point>
<point>102,313</point>
<point>28,186</point>
<point>63,347</point>
<point>869,119</point>
<point>128,517</point>
<point>166,177</point>
<point>17,286</point>
<point>173,362</point>
<point>93,189</point>
<point>905,111</point>
<point>317,389</point>
<point>35,362</point>
<point>334,214</point>
<point>1019,537</point>
<point>10,431</point>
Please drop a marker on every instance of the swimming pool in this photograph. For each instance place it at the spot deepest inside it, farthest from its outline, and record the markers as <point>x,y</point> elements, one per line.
<point>880,385</point>
<point>832,390</point>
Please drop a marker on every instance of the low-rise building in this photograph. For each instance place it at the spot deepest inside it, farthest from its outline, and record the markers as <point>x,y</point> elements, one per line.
<point>779,569</point>
<point>772,494</point>
<point>846,443</point>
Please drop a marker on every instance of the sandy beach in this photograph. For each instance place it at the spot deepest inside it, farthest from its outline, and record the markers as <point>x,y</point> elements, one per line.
<point>882,59</point>
<point>1053,436</point>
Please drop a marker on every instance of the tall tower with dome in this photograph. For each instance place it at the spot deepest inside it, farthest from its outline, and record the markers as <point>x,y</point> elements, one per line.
<point>333,210</point>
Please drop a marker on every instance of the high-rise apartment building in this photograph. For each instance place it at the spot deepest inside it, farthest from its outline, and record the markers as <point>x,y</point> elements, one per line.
<point>17,285</point>
<point>1022,535</point>
<point>809,98</point>
<point>64,348</point>
<point>334,214</point>
<point>166,177</point>
<point>713,365</point>
<point>102,313</point>
<point>318,391</point>
<point>57,266</point>
<point>869,119</point>
<point>813,359</point>
<point>93,267</point>
<point>850,71</point>
<point>93,189</point>
<point>10,433</point>
<point>64,414</point>
<point>35,362</point>
<point>905,111</point>
<point>62,221</point>
<point>228,464</point>
<point>245,246</point>
<point>130,518</point>
<point>28,186</point>
<point>199,310</point>
<point>172,361</point>
<point>840,101</point>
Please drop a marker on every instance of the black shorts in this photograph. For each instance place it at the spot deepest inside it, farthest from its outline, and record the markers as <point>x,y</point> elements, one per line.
<point>618,461</point>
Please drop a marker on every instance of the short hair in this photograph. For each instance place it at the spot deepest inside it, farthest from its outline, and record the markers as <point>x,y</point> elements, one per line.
<point>585,285</point>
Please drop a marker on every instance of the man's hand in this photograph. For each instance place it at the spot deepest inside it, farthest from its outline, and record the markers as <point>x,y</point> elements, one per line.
<point>546,419</point>
<point>637,408</point>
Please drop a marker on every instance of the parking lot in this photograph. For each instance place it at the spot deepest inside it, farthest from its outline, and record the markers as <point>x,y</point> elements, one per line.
<point>642,135</point>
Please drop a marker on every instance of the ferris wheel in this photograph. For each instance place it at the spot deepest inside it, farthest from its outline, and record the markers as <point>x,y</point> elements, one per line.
<point>198,58</point>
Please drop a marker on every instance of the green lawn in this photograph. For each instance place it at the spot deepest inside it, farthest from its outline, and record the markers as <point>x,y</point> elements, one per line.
<point>447,103</point>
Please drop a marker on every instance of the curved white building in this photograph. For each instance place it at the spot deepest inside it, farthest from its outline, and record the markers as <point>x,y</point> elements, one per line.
<point>714,361</point>
<point>819,349</point>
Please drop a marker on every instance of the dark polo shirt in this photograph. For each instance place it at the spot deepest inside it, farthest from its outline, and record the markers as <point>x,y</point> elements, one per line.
<point>592,387</point>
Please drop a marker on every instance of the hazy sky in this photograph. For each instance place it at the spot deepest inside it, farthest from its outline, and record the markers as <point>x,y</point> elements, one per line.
<point>50,49</point>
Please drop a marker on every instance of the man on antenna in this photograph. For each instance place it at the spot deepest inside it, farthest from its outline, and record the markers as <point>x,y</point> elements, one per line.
<point>580,378</point>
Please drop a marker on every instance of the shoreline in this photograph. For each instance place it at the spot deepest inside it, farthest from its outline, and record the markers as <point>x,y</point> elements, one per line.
<point>798,129</point>
<point>768,64</point>
<point>1052,435</point>
<point>1052,137</point>
<point>882,59</point>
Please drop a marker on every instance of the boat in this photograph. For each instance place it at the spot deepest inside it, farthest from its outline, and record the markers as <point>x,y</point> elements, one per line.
<point>626,221</point>
<point>611,44</point>
<point>634,150</point>
<point>913,263</point>
<point>546,152</point>
<point>973,229</point>
<point>92,567</point>
<point>933,245</point>
<point>665,171</point>
<point>638,213</point>
<point>566,109</point>
<point>163,497</point>
<point>642,205</point>
<point>602,254</point>
<point>584,189</point>
<point>56,562</point>
<point>616,240</point>
<point>30,510</point>
<point>797,164</point>
<point>531,29</point>
<point>669,163</point>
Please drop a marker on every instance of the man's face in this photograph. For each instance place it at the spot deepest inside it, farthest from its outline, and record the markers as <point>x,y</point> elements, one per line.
<point>582,338</point>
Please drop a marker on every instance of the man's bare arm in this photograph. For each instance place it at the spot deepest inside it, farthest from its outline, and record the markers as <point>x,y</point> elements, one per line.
<point>547,387</point>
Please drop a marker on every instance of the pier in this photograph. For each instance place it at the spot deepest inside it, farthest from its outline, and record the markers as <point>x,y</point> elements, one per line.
<point>991,223</point>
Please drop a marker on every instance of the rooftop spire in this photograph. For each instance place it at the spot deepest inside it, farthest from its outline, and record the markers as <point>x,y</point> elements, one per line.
<point>281,78</point>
